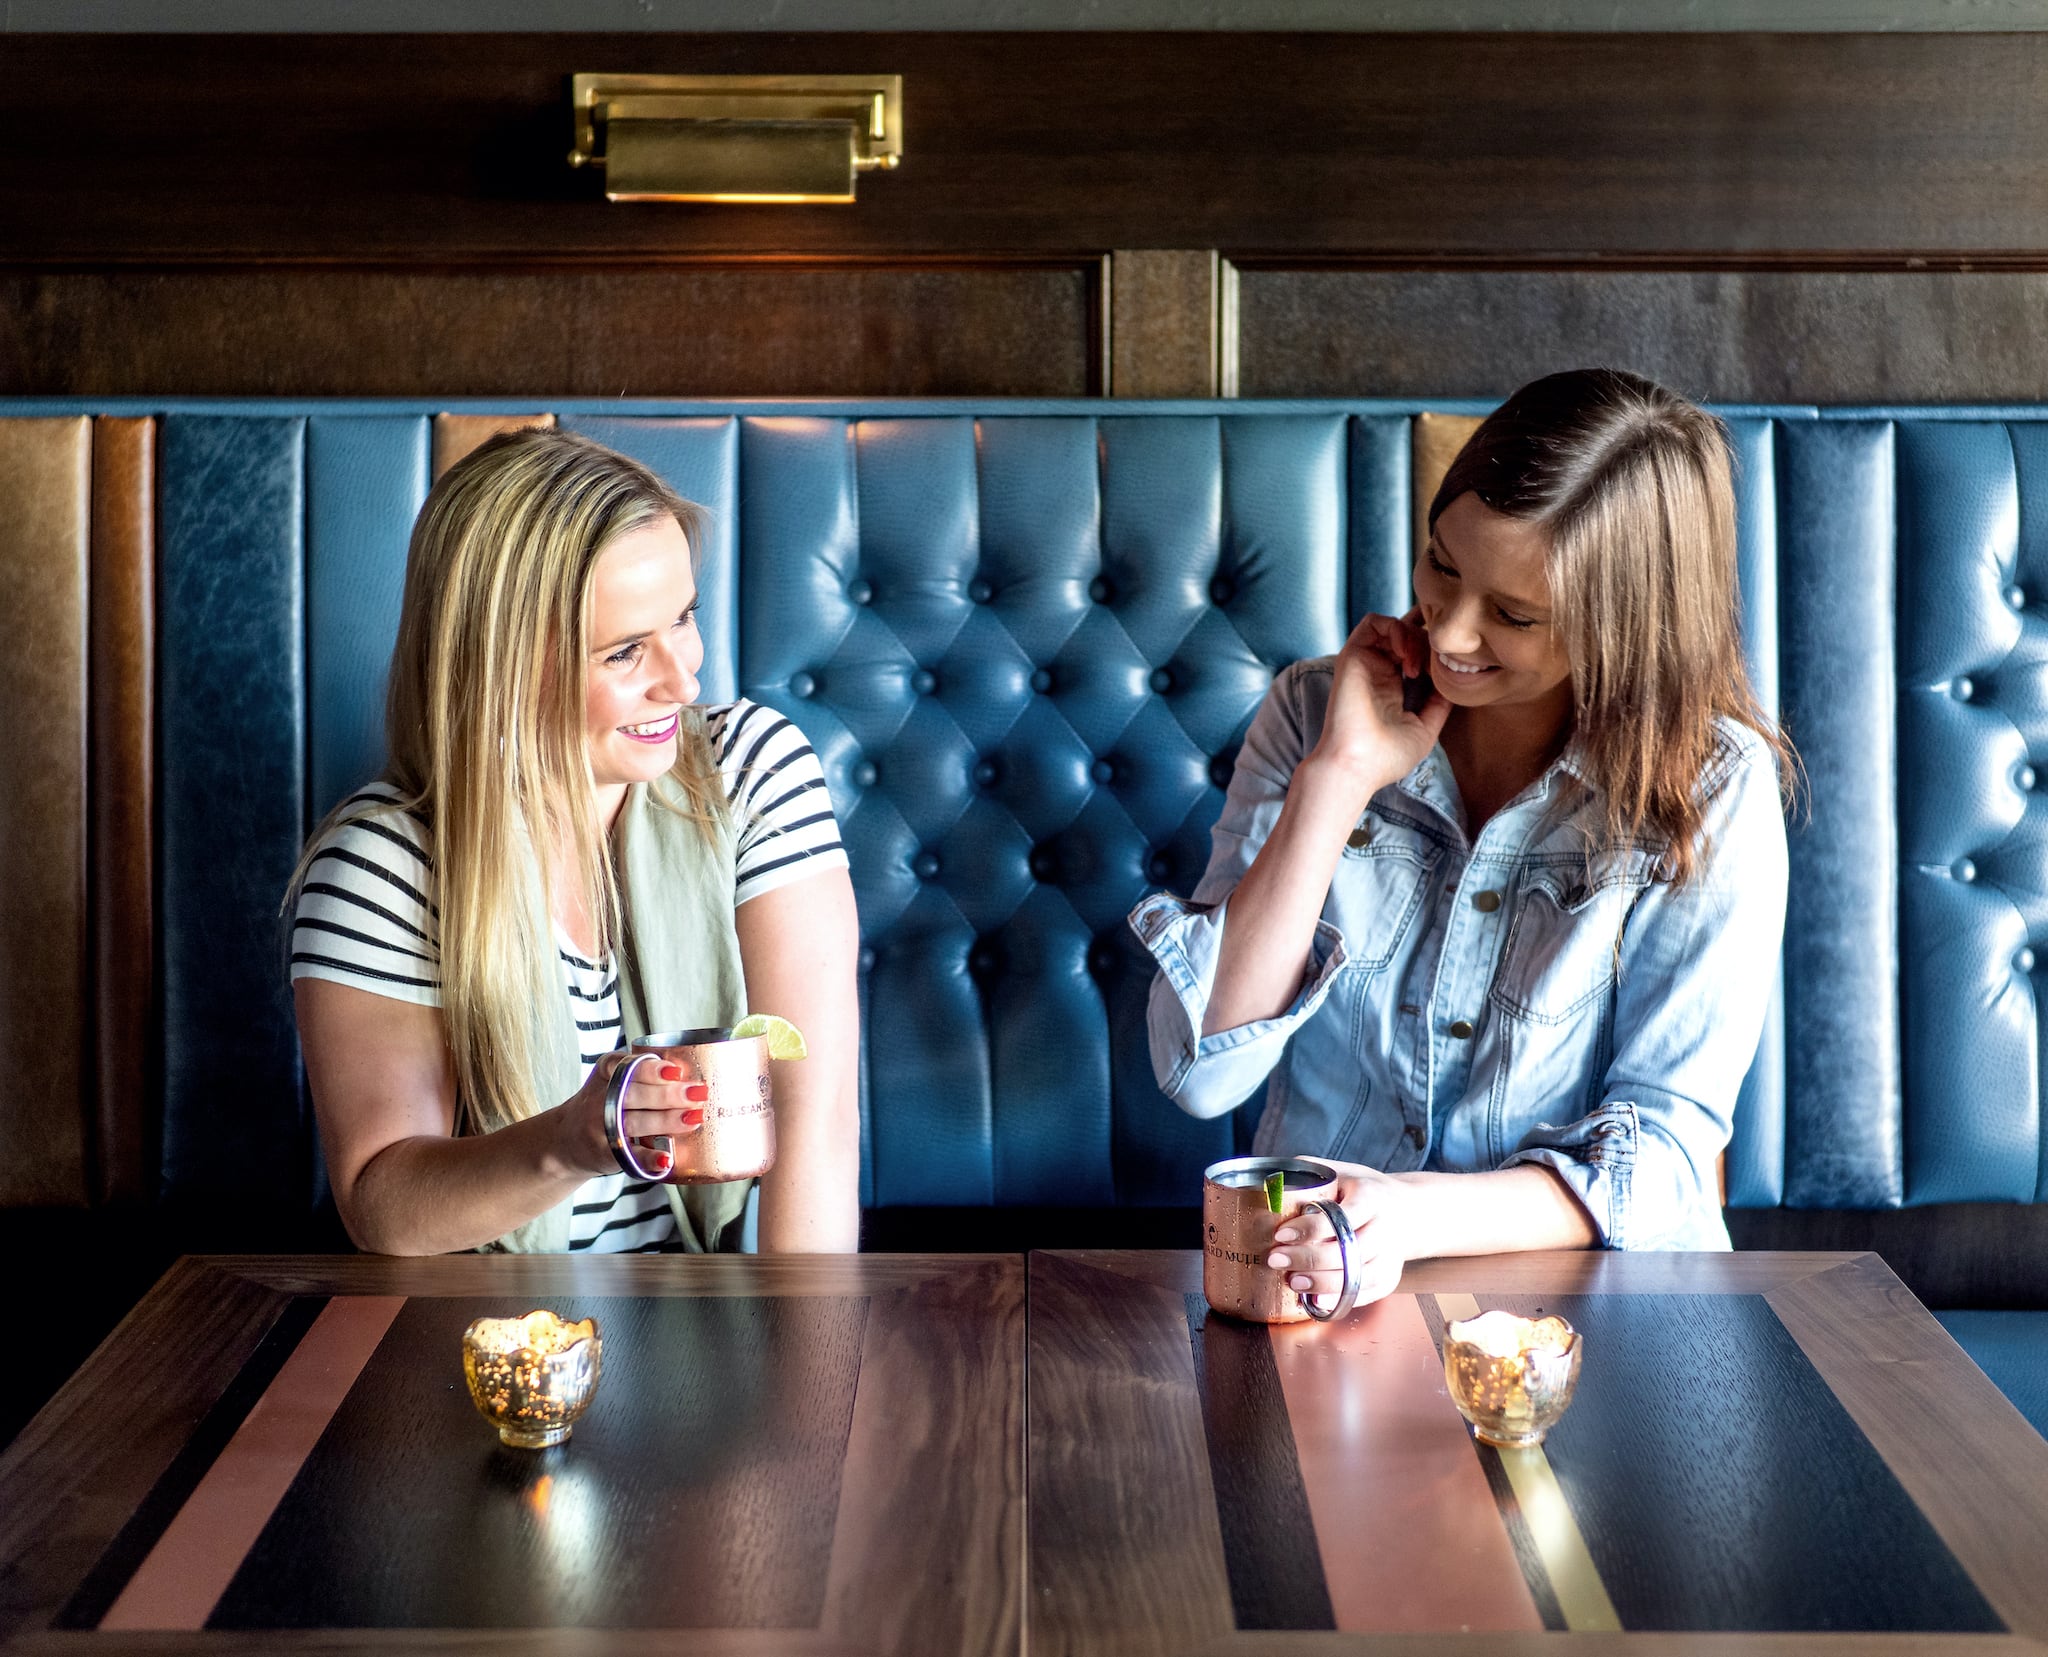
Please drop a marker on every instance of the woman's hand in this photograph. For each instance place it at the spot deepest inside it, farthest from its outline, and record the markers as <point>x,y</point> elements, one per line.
<point>1382,1212</point>
<point>1368,732</point>
<point>664,1100</point>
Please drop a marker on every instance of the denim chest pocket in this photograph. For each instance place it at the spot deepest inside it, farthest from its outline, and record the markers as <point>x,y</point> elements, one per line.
<point>1564,950</point>
<point>1376,893</point>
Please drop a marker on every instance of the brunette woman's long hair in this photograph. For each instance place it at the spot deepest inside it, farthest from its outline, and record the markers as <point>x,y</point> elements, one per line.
<point>484,725</point>
<point>1633,487</point>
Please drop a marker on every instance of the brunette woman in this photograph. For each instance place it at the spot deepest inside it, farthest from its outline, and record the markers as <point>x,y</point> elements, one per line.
<point>1496,897</point>
<point>566,851</point>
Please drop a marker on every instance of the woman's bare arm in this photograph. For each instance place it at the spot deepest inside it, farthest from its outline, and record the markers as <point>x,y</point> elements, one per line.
<point>384,1091</point>
<point>798,944</point>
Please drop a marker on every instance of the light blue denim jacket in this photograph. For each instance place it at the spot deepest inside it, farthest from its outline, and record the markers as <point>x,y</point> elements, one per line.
<point>1476,1005</point>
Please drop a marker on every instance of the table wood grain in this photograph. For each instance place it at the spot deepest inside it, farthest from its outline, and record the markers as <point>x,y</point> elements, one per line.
<point>1120,1342</point>
<point>851,1480</point>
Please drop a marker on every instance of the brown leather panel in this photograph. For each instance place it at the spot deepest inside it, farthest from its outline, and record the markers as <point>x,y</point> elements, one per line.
<point>456,434</point>
<point>45,488</point>
<point>1434,442</point>
<point>122,726</point>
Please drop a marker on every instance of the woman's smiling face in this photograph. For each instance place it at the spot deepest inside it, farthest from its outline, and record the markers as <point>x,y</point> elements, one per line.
<point>644,650</point>
<point>1485,601</point>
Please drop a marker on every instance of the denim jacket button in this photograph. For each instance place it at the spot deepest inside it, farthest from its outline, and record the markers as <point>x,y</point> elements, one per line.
<point>1462,1030</point>
<point>1486,902</point>
<point>1360,836</point>
<point>1415,1135</point>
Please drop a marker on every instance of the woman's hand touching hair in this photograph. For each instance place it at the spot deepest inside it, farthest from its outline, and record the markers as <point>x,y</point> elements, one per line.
<point>1369,735</point>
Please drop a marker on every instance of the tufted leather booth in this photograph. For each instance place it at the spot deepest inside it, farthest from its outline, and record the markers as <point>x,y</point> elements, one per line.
<point>1025,640</point>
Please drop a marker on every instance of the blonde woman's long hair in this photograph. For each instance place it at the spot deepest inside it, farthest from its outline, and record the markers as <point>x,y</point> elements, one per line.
<point>485,729</point>
<point>1633,486</point>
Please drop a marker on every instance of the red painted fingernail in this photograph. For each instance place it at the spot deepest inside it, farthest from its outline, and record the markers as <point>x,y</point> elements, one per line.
<point>697,1092</point>
<point>671,1072</point>
<point>692,1117</point>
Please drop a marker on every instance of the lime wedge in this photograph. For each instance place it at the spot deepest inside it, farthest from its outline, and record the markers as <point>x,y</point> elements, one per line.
<point>785,1040</point>
<point>1276,1187</point>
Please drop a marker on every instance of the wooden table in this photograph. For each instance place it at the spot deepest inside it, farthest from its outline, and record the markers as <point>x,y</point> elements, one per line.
<point>1766,1453</point>
<point>789,1455</point>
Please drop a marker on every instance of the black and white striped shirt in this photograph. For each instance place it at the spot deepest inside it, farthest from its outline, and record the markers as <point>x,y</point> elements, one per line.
<point>367,918</point>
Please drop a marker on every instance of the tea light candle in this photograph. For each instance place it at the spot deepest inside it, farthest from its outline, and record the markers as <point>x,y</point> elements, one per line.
<point>1510,1376</point>
<point>532,1377</point>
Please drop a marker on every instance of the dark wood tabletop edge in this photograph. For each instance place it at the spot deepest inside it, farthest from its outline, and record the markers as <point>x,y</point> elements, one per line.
<point>1981,1477</point>
<point>488,1642</point>
<point>78,1471</point>
<point>635,1274</point>
<point>1554,1271</point>
<point>1294,1644</point>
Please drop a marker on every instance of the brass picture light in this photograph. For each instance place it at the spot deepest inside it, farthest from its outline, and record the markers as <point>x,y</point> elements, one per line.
<point>774,138</point>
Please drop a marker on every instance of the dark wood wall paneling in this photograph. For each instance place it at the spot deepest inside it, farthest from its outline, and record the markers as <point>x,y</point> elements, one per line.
<point>1752,216</point>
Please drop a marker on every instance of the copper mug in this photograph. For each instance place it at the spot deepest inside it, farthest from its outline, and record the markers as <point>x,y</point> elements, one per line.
<point>737,1137</point>
<point>1237,1234</point>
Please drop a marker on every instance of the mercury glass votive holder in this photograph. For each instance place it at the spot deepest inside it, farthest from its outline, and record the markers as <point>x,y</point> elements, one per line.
<point>1511,1377</point>
<point>532,1377</point>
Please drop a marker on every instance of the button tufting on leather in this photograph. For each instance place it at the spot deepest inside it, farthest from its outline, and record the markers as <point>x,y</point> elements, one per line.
<point>2016,597</point>
<point>1159,867</point>
<point>981,961</point>
<point>926,866</point>
<point>1222,590</point>
<point>1220,770</point>
<point>1041,681</point>
<point>980,591</point>
<point>1103,770</point>
<point>803,685</point>
<point>1964,870</point>
<point>985,773</point>
<point>924,681</point>
<point>1962,690</point>
<point>2025,778</point>
<point>861,592</point>
<point>867,959</point>
<point>1041,863</point>
<point>1100,590</point>
<point>865,773</point>
<point>1101,959</point>
<point>2024,961</point>
<point>1162,679</point>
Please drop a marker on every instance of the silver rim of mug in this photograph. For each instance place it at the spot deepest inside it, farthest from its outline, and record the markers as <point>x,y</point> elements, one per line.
<point>1347,1297</point>
<point>614,1133</point>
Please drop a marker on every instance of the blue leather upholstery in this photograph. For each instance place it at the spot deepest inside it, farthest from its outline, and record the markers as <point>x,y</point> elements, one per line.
<point>1026,639</point>
<point>1837,694</point>
<point>231,784</point>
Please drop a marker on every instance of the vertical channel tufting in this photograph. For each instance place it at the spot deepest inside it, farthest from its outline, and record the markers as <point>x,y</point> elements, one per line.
<point>45,503</point>
<point>2028,706</point>
<point>699,460</point>
<point>1756,1153</point>
<point>1973,894</point>
<point>1380,557</point>
<point>365,479</point>
<point>122,786</point>
<point>1835,584</point>
<point>231,796</point>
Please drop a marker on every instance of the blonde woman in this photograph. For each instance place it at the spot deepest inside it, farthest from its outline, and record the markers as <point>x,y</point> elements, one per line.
<point>565,850</point>
<point>1497,894</point>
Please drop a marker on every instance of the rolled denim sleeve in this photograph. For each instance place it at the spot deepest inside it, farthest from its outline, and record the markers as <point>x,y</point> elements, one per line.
<point>1697,970</point>
<point>1209,1075</point>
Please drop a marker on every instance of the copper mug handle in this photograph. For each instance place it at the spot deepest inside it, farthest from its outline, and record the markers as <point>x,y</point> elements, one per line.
<point>1347,1297</point>
<point>614,1134</point>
